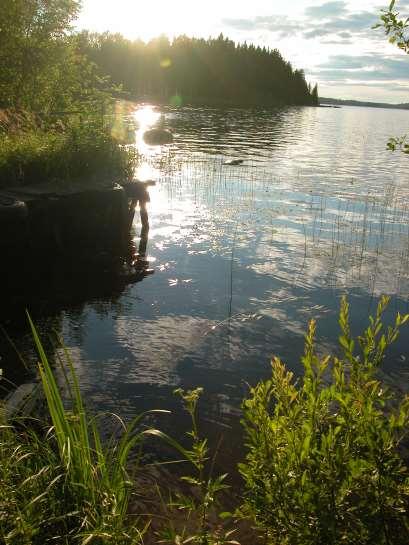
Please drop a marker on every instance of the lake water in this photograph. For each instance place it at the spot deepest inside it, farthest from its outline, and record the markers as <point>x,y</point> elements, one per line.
<point>243,256</point>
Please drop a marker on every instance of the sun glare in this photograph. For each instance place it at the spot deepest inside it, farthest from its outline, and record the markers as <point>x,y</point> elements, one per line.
<point>149,19</point>
<point>146,25</point>
<point>146,117</point>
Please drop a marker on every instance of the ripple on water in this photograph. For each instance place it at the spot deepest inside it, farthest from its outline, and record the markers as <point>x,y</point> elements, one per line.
<point>246,255</point>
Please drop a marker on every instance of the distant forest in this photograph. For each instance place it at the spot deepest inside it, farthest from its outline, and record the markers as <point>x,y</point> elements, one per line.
<point>193,70</point>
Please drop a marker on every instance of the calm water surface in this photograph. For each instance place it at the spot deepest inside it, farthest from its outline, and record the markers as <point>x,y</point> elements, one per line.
<point>245,255</point>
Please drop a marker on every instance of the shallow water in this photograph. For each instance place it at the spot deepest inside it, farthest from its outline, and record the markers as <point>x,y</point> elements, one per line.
<point>245,255</point>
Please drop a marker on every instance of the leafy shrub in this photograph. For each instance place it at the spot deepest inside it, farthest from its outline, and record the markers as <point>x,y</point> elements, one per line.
<point>82,151</point>
<point>323,463</point>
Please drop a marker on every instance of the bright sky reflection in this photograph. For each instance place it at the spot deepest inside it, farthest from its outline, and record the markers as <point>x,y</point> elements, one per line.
<point>145,117</point>
<point>246,256</point>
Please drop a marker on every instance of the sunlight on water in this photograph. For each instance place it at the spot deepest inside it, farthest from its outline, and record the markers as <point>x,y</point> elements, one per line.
<point>145,171</point>
<point>145,118</point>
<point>244,256</point>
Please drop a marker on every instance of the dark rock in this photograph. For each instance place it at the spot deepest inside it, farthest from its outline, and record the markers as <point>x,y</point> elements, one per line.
<point>157,137</point>
<point>234,162</point>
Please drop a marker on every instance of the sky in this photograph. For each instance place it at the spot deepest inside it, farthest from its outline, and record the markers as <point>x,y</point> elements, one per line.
<point>332,41</point>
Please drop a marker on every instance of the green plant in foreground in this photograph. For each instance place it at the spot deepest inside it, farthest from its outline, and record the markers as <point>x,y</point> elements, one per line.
<point>71,487</point>
<point>323,463</point>
<point>396,28</point>
<point>95,475</point>
<point>202,520</point>
<point>398,143</point>
<point>35,504</point>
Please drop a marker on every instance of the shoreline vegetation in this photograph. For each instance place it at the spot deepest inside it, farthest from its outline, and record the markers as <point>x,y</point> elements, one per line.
<point>52,102</point>
<point>77,147</point>
<point>197,71</point>
<point>363,103</point>
<point>56,85</point>
<point>324,461</point>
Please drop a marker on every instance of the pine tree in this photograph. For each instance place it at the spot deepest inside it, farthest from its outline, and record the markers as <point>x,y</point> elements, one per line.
<point>314,95</point>
<point>214,70</point>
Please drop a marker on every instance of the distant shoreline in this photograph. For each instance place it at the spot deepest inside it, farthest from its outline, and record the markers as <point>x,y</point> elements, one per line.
<point>207,102</point>
<point>338,102</point>
<point>226,103</point>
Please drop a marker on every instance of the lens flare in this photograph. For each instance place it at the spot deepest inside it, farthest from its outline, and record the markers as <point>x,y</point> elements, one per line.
<point>176,101</point>
<point>165,63</point>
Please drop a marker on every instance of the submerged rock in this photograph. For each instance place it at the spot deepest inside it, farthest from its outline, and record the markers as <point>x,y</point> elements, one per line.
<point>234,162</point>
<point>24,400</point>
<point>157,137</point>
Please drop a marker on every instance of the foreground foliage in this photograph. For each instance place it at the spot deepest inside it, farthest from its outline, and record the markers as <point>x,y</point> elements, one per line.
<point>203,516</point>
<point>35,503</point>
<point>396,28</point>
<point>323,463</point>
<point>69,486</point>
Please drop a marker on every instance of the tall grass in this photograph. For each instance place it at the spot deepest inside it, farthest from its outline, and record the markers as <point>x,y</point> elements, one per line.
<point>77,151</point>
<point>35,503</point>
<point>82,482</point>
<point>70,486</point>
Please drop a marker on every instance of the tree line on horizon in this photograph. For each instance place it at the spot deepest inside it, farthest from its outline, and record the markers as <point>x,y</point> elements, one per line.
<point>216,70</point>
<point>47,67</point>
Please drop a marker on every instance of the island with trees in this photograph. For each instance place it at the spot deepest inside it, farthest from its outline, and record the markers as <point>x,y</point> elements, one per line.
<point>195,70</point>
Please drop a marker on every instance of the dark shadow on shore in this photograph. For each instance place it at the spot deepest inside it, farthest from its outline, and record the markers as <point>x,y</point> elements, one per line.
<point>48,284</point>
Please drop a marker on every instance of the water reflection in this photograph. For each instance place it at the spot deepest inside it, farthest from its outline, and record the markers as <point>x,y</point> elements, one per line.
<point>145,117</point>
<point>244,257</point>
<point>58,283</point>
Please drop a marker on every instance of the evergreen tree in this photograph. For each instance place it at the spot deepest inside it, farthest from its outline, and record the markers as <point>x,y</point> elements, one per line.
<point>314,95</point>
<point>213,70</point>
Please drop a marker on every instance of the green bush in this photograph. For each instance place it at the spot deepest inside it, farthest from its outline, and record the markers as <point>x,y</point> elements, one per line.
<point>323,463</point>
<point>81,151</point>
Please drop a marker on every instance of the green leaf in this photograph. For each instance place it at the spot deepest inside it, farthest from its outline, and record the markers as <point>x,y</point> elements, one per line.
<point>225,515</point>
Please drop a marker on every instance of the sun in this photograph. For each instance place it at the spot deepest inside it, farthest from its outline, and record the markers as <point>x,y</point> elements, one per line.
<point>137,19</point>
<point>153,18</point>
